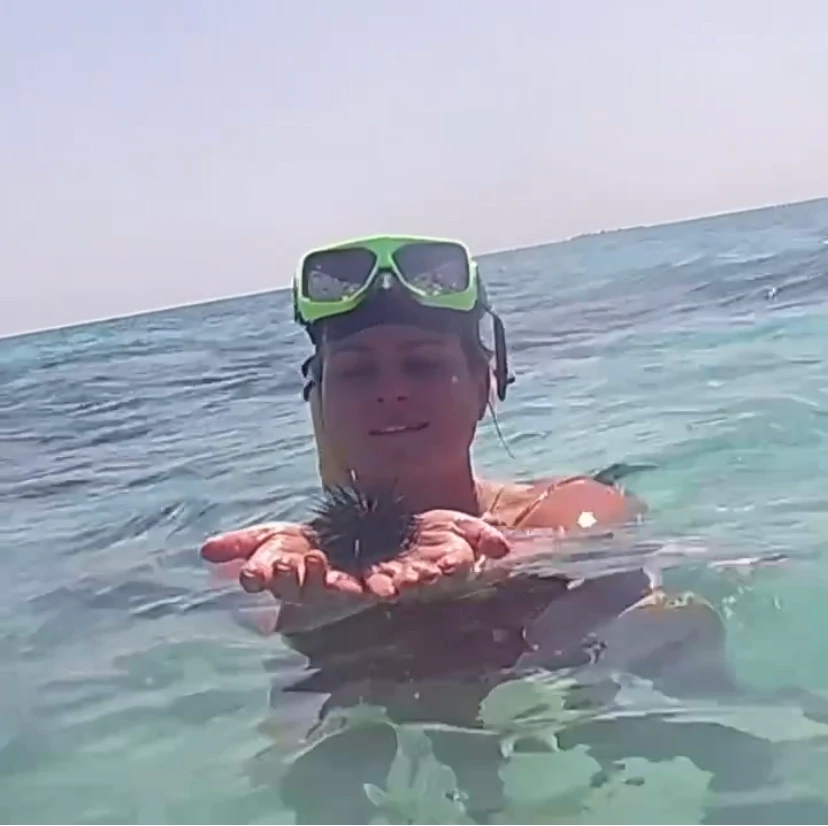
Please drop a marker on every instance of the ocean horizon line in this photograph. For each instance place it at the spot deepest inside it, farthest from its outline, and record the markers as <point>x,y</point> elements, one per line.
<point>480,256</point>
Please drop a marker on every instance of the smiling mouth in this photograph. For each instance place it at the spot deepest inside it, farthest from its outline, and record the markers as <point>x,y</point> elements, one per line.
<point>396,430</point>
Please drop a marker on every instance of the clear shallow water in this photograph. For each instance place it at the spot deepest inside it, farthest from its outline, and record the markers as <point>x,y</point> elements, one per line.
<point>133,688</point>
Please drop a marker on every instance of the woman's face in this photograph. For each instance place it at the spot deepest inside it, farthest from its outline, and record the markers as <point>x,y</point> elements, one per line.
<point>401,401</point>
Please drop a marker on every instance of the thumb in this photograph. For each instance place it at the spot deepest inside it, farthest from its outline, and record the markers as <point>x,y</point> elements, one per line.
<point>234,545</point>
<point>484,539</point>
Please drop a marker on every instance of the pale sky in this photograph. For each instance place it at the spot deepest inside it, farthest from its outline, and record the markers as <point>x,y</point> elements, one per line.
<point>161,152</point>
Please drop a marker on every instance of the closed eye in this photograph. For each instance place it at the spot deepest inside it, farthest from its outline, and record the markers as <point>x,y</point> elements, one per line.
<point>357,371</point>
<point>423,367</point>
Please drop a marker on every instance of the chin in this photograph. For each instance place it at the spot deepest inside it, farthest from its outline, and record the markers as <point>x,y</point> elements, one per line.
<point>398,469</point>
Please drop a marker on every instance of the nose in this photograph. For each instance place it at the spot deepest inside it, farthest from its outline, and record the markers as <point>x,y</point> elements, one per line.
<point>393,389</point>
<point>393,397</point>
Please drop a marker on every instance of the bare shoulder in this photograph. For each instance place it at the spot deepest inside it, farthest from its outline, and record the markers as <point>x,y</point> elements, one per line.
<point>566,503</point>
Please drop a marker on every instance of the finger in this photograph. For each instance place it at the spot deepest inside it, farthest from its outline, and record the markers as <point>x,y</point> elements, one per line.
<point>343,583</point>
<point>390,568</point>
<point>407,577</point>
<point>316,566</point>
<point>427,571</point>
<point>415,573</point>
<point>252,581</point>
<point>456,563</point>
<point>288,578</point>
<point>258,570</point>
<point>380,585</point>
<point>405,573</point>
<point>236,544</point>
<point>485,539</point>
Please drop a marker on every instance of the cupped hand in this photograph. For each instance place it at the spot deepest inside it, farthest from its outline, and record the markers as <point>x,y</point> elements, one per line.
<point>450,549</point>
<point>281,557</point>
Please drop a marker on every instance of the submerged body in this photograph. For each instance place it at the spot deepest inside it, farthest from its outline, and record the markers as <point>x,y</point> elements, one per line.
<point>436,665</point>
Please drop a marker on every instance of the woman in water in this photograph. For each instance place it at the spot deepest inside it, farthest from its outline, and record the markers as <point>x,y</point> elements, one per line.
<point>398,383</point>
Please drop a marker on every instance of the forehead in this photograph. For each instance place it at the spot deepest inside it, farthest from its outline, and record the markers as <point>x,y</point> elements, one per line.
<point>397,337</point>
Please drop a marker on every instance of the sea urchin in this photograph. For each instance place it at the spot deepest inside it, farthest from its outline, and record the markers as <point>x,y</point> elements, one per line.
<point>357,529</point>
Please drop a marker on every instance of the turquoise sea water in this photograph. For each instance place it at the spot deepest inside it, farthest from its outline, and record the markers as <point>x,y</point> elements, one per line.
<point>134,688</point>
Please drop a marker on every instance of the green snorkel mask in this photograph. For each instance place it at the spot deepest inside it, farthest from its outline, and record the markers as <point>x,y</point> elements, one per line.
<point>436,278</point>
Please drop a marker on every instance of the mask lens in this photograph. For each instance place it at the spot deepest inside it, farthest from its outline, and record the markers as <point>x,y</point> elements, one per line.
<point>434,267</point>
<point>332,275</point>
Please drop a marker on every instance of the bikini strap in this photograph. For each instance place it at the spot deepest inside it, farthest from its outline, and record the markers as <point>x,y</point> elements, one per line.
<point>544,495</point>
